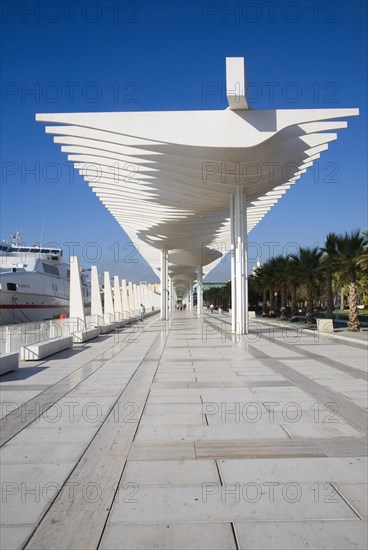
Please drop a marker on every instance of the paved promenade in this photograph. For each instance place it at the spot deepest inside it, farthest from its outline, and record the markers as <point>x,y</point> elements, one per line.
<point>174,435</point>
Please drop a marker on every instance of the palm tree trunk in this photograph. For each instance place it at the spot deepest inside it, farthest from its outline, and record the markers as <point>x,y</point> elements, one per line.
<point>277,305</point>
<point>264,303</point>
<point>283,311</point>
<point>354,323</point>
<point>294,304</point>
<point>271,313</point>
<point>310,305</point>
<point>329,295</point>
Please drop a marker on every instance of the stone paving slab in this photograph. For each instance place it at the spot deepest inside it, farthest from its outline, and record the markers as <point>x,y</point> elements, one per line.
<point>169,536</point>
<point>209,433</point>
<point>342,469</point>
<point>179,450</point>
<point>213,503</point>
<point>13,537</point>
<point>41,454</point>
<point>178,472</point>
<point>298,535</point>
<point>356,494</point>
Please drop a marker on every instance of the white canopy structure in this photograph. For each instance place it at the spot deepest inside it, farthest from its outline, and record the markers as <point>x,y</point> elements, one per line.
<point>187,186</point>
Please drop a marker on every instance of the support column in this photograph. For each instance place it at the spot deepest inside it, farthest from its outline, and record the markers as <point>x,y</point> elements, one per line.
<point>124,299</point>
<point>109,313</point>
<point>241,264</point>
<point>76,307</point>
<point>136,298</point>
<point>96,303</point>
<point>132,304</point>
<point>163,277</point>
<point>233,263</point>
<point>118,306</point>
<point>171,295</point>
<point>190,296</point>
<point>199,291</point>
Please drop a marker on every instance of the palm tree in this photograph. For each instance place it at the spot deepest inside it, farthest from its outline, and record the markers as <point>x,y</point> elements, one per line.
<point>306,266</point>
<point>350,249</point>
<point>362,261</point>
<point>293,282</point>
<point>269,278</point>
<point>261,283</point>
<point>257,284</point>
<point>329,250</point>
<point>280,268</point>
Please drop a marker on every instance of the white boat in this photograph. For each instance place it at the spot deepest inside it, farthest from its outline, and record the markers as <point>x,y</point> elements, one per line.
<point>34,283</point>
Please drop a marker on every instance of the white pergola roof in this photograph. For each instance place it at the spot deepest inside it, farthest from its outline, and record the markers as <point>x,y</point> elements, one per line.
<point>167,177</point>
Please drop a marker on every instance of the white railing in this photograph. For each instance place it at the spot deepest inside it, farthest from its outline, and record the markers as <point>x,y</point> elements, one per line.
<point>13,337</point>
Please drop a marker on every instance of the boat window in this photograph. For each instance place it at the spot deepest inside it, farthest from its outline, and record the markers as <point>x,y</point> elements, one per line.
<point>50,269</point>
<point>11,286</point>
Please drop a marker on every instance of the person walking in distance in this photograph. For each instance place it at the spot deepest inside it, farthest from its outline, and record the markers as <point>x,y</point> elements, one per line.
<point>142,311</point>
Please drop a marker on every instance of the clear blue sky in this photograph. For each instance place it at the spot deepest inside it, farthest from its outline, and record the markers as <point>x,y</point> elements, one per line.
<point>148,55</point>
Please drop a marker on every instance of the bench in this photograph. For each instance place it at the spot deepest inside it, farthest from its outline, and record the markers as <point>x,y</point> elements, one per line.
<point>325,325</point>
<point>39,350</point>
<point>84,335</point>
<point>9,362</point>
<point>106,327</point>
<point>121,323</point>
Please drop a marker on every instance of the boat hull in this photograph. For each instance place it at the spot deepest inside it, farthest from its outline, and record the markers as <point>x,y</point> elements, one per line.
<point>18,307</point>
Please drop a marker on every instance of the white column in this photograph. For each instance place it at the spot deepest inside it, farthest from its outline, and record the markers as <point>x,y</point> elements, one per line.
<point>118,306</point>
<point>145,297</point>
<point>171,295</point>
<point>199,291</point>
<point>190,305</point>
<point>233,263</point>
<point>76,309</point>
<point>241,275</point>
<point>132,304</point>
<point>136,298</point>
<point>124,299</point>
<point>96,303</point>
<point>109,313</point>
<point>163,277</point>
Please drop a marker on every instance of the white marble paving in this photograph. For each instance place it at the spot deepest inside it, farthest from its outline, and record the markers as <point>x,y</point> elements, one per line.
<point>218,503</point>
<point>184,502</point>
<point>298,535</point>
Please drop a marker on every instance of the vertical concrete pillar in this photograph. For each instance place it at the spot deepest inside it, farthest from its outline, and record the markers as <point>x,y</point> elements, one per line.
<point>163,277</point>
<point>132,306</point>
<point>124,299</point>
<point>241,261</point>
<point>190,305</point>
<point>118,306</point>
<point>96,302</point>
<point>76,308</point>
<point>136,297</point>
<point>109,313</point>
<point>233,263</point>
<point>199,291</point>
